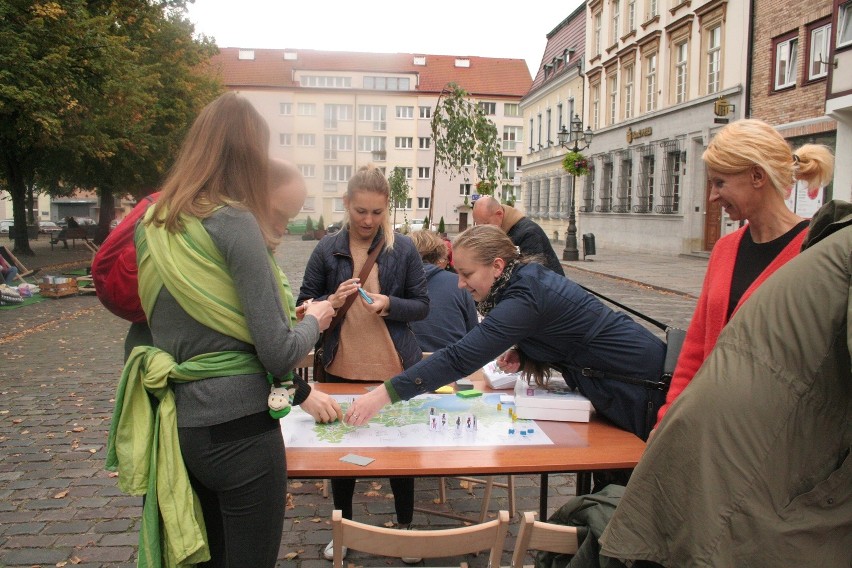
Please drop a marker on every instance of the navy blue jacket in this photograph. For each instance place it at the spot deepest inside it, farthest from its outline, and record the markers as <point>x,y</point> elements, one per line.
<point>530,238</point>
<point>401,279</point>
<point>554,321</point>
<point>452,311</point>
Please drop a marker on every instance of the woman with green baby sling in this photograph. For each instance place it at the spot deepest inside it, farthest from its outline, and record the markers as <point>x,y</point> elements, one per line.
<point>209,457</point>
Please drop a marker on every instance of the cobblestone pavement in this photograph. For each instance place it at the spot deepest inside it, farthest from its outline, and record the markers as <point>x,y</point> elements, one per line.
<point>60,360</point>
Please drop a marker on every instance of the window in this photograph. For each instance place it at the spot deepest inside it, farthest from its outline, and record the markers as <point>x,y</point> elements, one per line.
<point>405,112</point>
<point>549,128</point>
<point>404,142</point>
<point>308,205</point>
<point>511,166</point>
<point>818,52</point>
<point>377,114</point>
<point>285,108</point>
<point>531,131</point>
<point>646,181</point>
<point>511,109</point>
<point>338,173</point>
<point>464,189</point>
<point>559,122</point>
<point>337,205</point>
<point>652,10</point>
<point>613,96</point>
<point>616,20</point>
<point>335,143</point>
<point>605,205</point>
<point>631,15</point>
<point>596,38</point>
<point>488,108</point>
<point>307,109</point>
<point>306,140</point>
<point>423,203</point>
<point>285,139</point>
<point>511,136</point>
<point>589,191</point>
<point>387,83</point>
<point>336,113</point>
<point>596,106</point>
<point>425,142</point>
<point>844,25</point>
<point>670,189</point>
<point>651,83</point>
<point>424,173</point>
<point>625,187</point>
<point>425,112</point>
<point>785,62</point>
<point>307,170</point>
<point>409,172</point>
<point>325,81</point>
<point>714,59</point>
<point>539,132</point>
<point>681,51</point>
<point>628,91</point>
<point>371,144</point>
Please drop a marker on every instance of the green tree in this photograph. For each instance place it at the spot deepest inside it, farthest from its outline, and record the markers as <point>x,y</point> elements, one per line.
<point>441,227</point>
<point>399,190</point>
<point>94,94</point>
<point>463,135</point>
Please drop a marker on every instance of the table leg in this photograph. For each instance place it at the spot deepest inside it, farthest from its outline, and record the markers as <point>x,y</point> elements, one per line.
<point>542,498</point>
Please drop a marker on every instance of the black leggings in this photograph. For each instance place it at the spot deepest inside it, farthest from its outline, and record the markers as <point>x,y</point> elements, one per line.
<point>343,488</point>
<point>239,472</point>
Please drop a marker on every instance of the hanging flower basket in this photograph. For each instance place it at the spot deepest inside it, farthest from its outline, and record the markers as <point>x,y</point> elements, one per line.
<point>575,164</point>
<point>484,187</point>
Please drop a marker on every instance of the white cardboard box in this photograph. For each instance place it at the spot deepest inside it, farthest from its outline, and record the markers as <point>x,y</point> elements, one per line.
<point>557,402</point>
<point>497,379</point>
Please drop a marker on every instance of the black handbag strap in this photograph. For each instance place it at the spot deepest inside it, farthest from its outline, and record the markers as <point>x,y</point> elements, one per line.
<point>649,319</point>
<point>362,277</point>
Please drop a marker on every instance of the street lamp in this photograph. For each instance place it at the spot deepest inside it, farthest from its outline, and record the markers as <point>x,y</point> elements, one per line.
<point>566,137</point>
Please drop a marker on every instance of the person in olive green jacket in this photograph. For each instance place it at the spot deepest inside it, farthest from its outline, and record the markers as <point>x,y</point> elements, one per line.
<point>752,464</point>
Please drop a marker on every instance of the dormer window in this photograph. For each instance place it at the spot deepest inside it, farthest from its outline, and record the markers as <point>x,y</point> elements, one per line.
<point>462,62</point>
<point>420,60</point>
<point>246,54</point>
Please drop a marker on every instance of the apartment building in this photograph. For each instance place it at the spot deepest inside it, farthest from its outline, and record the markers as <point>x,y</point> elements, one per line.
<point>662,76</point>
<point>556,95</point>
<point>838,104</point>
<point>332,112</point>
<point>789,71</point>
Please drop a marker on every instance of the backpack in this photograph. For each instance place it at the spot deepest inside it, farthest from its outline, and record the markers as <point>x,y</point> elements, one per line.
<point>114,269</point>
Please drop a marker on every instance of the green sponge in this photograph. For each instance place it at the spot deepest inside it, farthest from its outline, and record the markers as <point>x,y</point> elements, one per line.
<point>469,393</point>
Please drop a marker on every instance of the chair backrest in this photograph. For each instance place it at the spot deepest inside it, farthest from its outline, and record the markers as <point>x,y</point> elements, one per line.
<point>419,544</point>
<point>538,535</point>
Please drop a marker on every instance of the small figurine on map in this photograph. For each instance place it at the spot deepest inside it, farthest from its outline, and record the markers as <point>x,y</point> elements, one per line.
<point>499,407</point>
<point>458,422</point>
<point>530,431</point>
<point>443,419</point>
<point>475,426</point>
<point>511,430</point>
<point>434,425</point>
<point>469,424</point>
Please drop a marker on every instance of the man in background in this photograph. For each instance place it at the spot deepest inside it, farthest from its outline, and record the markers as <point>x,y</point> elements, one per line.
<point>524,232</point>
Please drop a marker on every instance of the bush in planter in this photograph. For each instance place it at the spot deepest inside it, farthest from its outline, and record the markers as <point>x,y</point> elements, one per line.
<point>319,231</point>
<point>309,230</point>
<point>441,227</point>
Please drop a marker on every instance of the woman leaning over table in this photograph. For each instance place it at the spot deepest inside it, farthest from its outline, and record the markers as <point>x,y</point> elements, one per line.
<point>374,341</point>
<point>554,324</point>
<point>221,325</point>
<point>751,170</point>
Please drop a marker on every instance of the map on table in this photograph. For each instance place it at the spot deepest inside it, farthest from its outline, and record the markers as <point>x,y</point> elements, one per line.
<point>430,420</point>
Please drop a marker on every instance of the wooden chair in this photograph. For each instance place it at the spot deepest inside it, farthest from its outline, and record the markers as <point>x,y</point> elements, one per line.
<point>397,543</point>
<point>538,535</point>
<point>489,484</point>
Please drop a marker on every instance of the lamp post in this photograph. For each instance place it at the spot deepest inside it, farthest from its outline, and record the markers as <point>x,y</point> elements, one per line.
<point>566,137</point>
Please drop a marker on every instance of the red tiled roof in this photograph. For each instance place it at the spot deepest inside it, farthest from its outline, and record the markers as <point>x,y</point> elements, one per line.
<point>485,75</point>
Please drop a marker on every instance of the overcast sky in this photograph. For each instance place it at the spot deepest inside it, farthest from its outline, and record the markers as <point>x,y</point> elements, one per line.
<point>515,30</point>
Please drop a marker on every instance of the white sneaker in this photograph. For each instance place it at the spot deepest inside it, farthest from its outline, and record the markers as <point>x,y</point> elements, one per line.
<point>408,559</point>
<point>328,553</point>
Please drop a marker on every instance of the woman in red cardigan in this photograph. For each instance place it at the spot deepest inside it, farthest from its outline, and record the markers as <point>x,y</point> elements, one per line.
<point>751,171</point>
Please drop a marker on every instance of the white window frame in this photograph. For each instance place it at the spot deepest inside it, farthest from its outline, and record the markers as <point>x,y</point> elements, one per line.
<point>285,139</point>
<point>714,59</point>
<point>424,142</point>
<point>844,25</point>
<point>405,112</point>
<point>512,136</point>
<point>424,172</point>
<point>285,109</point>
<point>651,82</point>
<point>423,203</point>
<point>404,142</point>
<point>306,139</point>
<point>613,97</point>
<point>306,109</point>
<point>307,170</point>
<point>818,52</point>
<point>616,21</point>
<point>596,106</point>
<point>681,52</point>
<point>425,112</point>
<point>597,22</point>
<point>786,69</point>
<point>511,109</point>
<point>629,72</point>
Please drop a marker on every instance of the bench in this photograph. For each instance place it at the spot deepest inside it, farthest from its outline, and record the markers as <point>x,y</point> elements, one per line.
<point>73,234</point>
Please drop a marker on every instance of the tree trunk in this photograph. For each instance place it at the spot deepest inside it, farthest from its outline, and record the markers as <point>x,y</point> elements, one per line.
<point>18,191</point>
<point>106,215</point>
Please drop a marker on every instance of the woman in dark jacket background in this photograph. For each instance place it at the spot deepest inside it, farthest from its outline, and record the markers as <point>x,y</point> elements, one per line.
<point>374,341</point>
